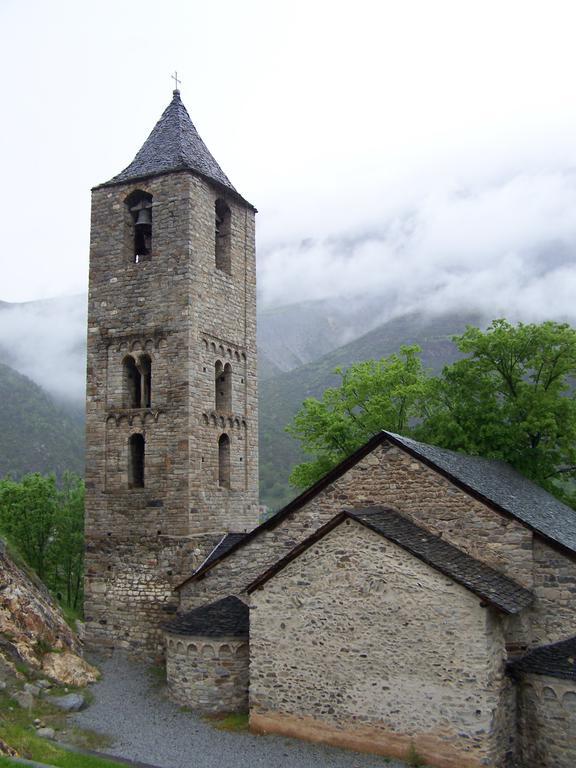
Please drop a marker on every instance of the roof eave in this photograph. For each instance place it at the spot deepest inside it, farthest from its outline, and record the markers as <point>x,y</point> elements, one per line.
<point>225,190</point>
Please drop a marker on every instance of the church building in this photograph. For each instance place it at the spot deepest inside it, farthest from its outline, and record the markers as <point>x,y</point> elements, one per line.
<point>414,603</point>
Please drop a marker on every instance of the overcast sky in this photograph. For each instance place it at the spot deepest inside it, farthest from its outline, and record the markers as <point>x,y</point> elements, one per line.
<point>424,150</point>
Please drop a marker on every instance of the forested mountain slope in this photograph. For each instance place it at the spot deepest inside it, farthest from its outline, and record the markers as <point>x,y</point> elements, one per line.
<point>36,434</point>
<point>282,395</point>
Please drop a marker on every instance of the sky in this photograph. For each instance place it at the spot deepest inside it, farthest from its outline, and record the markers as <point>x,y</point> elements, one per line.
<point>420,151</point>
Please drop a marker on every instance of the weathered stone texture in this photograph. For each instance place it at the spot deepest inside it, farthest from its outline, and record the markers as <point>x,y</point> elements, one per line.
<point>208,674</point>
<point>389,476</point>
<point>547,722</point>
<point>178,309</point>
<point>356,633</point>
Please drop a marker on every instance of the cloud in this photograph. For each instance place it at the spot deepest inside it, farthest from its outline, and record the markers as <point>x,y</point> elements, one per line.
<point>46,341</point>
<point>505,247</point>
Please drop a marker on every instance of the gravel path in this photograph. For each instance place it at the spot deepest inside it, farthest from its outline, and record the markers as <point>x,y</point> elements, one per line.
<point>145,726</point>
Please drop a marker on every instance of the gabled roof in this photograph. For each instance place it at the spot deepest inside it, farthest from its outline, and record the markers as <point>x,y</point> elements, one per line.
<point>491,586</point>
<point>227,541</point>
<point>175,145</point>
<point>228,617</point>
<point>502,486</point>
<point>492,482</point>
<point>556,660</point>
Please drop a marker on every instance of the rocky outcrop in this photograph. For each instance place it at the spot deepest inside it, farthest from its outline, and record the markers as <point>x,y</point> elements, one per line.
<point>33,630</point>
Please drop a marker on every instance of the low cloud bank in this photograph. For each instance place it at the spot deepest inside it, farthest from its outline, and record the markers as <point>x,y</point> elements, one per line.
<point>506,249</point>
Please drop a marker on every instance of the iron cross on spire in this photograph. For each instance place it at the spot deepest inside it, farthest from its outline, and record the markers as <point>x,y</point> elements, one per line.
<point>176,81</point>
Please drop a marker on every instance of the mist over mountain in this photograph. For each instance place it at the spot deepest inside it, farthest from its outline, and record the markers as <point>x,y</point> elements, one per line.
<point>404,269</point>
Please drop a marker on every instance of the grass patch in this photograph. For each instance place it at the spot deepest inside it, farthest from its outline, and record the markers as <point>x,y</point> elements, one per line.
<point>234,721</point>
<point>63,759</point>
<point>157,674</point>
<point>414,758</point>
<point>17,730</point>
<point>71,615</point>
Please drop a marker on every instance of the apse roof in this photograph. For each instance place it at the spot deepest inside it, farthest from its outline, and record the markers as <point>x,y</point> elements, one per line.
<point>224,618</point>
<point>555,660</point>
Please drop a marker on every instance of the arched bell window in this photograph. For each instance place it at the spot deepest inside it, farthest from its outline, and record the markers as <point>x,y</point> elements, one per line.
<point>136,451</point>
<point>224,461</point>
<point>222,236</point>
<point>140,219</point>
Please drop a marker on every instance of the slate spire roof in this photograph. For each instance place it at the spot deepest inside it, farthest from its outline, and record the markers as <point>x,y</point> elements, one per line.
<point>175,145</point>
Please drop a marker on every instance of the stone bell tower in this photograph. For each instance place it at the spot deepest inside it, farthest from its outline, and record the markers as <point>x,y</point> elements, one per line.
<point>172,410</point>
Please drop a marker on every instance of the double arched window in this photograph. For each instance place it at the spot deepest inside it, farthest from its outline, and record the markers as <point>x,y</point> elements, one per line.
<point>137,381</point>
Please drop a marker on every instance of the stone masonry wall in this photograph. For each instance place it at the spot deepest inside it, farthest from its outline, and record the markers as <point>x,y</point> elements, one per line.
<point>547,722</point>
<point>359,643</point>
<point>141,541</point>
<point>391,477</point>
<point>208,674</point>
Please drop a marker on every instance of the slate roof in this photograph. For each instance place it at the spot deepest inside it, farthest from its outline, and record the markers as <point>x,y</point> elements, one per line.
<point>504,487</point>
<point>556,660</point>
<point>491,586</point>
<point>228,617</point>
<point>174,145</point>
<point>493,482</point>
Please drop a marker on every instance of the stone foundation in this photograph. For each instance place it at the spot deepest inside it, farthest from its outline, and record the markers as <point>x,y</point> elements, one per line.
<point>373,739</point>
<point>210,675</point>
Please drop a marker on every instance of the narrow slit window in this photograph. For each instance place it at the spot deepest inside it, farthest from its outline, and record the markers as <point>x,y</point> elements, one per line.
<point>224,461</point>
<point>223,385</point>
<point>136,450</point>
<point>222,236</point>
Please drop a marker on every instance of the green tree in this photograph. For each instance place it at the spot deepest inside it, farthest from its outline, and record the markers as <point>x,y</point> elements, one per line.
<point>45,523</point>
<point>27,511</point>
<point>510,398</point>
<point>373,395</point>
<point>67,573</point>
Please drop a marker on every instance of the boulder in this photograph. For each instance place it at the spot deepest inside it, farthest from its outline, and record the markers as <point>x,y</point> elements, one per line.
<point>46,733</point>
<point>69,669</point>
<point>72,702</point>
<point>33,689</point>
<point>24,699</point>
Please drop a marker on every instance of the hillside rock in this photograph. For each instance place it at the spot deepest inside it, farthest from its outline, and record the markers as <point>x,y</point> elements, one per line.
<point>31,623</point>
<point>68,668</point>
<point>6,750</point>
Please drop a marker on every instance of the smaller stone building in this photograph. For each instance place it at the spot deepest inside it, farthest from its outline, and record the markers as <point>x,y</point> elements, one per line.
<point>376,635</point>
<point>546,679</point>
<point>207,657</point>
